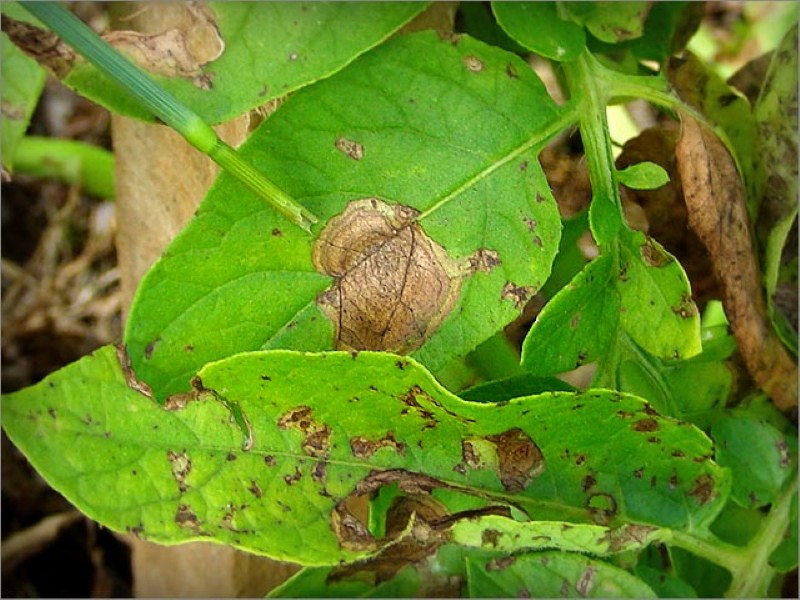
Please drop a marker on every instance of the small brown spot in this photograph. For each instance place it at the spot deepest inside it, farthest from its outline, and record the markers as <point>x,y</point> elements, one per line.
<point>678,454</point>
<point>52,412</point>
<point>350,148</point>
<point>523,166</point>
<point>654,440</point>
<point>473,63</point>
<point>255,489</point>
<point>294,477</point>
<point>269,460</point>
<point>638,473</point>
<point>530,223</point>
<point>784,454</point>
<point>580,459</point>
<point>136,531</point>
<point>519,458</point>
<point>316,442</point>
<point>500,563</point>
<point>686,309</point>
<point>489,537</point>
<point>319,471</point>
<point>511,71</point>
<point>645,425</point>
<point>277,232</point>
<point>602,507</point>
<point>151,347</point>
<point>186,518</point>
<point>703,489</point>
<point>362,447</point>
<point>230,457</point>
<point>586,581</point>
<point>653,255</point>
<point>181,467</point>
<point>483,260</point>
<point>588,482</point>
<point>518,294</point>
<point>673,480</point>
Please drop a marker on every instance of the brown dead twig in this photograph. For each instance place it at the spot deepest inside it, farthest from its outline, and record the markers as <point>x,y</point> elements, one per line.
<point>60,291</point>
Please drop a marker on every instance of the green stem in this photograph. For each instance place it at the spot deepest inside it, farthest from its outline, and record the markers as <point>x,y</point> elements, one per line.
<point>67,160</point>
<point>163,105</point>
<point>748,565</point>
<point>605,213</point>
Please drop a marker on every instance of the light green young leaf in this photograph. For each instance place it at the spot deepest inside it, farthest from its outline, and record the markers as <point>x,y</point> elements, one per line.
<point>551,575</point>
<point>610,21</point>
<point>537,27</point>
<point>643,176</point>
<point>421,126</point>
<point>23,82</point>
<point>268,49</point>
<point>259,459</point>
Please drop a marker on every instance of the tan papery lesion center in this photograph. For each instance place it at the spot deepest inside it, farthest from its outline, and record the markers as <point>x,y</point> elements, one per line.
<point>393,284</point>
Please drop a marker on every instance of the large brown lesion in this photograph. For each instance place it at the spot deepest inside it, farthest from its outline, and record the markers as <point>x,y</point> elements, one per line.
<point>393,285</point>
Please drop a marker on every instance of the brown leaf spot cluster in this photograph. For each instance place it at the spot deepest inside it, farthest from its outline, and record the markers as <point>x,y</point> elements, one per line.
<point>519,459</point>
<point>703,489</point>
<point>393,284</point>
<point>362,447</point>
<point>518,294</point>
<point>715,198</point>
<point>316,442</point>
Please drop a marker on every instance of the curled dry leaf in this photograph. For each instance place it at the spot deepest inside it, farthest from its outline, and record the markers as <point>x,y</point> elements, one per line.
<point>715,199</point>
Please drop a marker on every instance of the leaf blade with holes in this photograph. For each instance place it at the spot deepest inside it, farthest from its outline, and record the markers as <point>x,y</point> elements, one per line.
<point>174,476</point>
<point>238,281</point>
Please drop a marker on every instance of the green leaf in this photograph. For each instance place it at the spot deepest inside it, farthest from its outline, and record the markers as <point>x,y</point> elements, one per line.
<point>23,82</point>
<point>257,458</point>
<point>551,575</point>
<point>643,176</point>
<point>637,289</point>
<point>760,458</point>
<point>609,21</point>
<point>784,558</point>
<point>537,27</point>
<point>398,128</point>
<point>269,50</point>
<point>663,584</point>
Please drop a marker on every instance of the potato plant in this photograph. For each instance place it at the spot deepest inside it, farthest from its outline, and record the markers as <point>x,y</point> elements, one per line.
<point>272,380</point>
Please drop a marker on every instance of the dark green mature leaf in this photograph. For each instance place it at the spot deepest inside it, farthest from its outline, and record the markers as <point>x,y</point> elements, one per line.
<point>610,21</point>
<point>259,459</point>
<point>536,26</point>
<point>449,130</point>
<point>551,575</point>
<point>759,456</point>
<point>270,49</point>
<point>23,82</point>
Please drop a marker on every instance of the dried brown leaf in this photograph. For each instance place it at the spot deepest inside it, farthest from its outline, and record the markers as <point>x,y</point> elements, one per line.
<point>715,199</point>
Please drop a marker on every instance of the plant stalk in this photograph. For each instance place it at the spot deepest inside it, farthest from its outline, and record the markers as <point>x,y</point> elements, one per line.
<point>164,106</point>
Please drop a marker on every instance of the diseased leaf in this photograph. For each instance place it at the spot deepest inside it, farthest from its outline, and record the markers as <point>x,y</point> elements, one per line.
<point>759,456</point>
<point>23,82</point>
<point>551,575</point>
<point>437,221</point>
<point>717,213</point>
<point>537,26</point>
<point>635,289</point>
<point>257,458</point>
<point>775,157</point>
<point>263,50</point>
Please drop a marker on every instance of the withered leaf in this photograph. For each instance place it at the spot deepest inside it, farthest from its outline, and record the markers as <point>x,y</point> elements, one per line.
<point>715,199</point>
<point>393,284</point>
